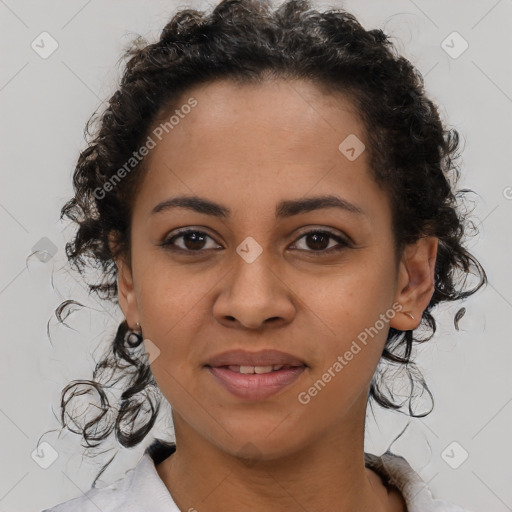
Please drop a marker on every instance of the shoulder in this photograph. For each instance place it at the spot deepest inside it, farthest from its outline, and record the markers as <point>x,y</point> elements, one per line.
<point>396,471</point>
<point>139,487</point>
<point>106,499</point>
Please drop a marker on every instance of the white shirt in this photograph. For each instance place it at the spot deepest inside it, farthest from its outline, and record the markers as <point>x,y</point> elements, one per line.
<point>142,489</point>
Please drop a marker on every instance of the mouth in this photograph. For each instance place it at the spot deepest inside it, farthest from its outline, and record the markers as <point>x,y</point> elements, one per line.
<point>260,370</point>
<point>255,386</point>
<point>263,361</point>
<point>255,376</point>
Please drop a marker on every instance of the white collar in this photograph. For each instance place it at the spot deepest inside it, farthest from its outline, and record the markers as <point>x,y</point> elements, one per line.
<point>144,486</point>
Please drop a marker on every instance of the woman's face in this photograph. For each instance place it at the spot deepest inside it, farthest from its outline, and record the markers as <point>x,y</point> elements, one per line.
<point>253,279</point>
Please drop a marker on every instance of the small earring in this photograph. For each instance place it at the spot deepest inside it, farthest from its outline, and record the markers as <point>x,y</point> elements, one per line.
<point>132,338</point>
<point>410,314</point>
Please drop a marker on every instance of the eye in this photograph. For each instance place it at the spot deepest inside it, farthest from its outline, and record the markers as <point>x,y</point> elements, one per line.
<point>318,240</point>
<point>193,240</point>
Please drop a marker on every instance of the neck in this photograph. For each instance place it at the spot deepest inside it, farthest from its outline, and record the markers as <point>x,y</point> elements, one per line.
<point>328,474</point>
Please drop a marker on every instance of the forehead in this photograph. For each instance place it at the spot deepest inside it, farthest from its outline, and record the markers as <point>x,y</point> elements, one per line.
<point>257,112</point>
<point>248,143</point>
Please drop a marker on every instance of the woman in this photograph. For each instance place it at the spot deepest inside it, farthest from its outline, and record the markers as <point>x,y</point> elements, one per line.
<point>270,194</point>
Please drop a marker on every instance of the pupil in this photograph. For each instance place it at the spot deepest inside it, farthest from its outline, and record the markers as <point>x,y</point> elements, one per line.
<point>193,238</point>
<point>316,237</point>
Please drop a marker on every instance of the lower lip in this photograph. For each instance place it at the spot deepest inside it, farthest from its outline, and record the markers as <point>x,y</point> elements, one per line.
<point>256,386</point>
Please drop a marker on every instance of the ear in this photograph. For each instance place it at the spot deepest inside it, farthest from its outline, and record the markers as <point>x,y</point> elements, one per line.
<point>415,282</point>
<point>126,291</point>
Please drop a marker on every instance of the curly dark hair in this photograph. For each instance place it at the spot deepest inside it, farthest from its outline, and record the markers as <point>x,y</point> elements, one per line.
<point>412,155</point>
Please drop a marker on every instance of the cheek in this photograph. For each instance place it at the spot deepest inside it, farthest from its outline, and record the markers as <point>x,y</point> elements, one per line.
<point>169,296</point>
<point>352,297</point>
<point>172,310</point>
<point>352,310</point>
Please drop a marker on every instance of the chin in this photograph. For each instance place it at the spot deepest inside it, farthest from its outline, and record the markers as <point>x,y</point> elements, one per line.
<point>253,447</point>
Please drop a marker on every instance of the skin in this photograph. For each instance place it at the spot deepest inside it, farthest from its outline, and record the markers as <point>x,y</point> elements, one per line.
<point>248,147</point>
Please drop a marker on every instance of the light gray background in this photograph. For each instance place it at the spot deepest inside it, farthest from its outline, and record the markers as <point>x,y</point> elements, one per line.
<point>45,104</point>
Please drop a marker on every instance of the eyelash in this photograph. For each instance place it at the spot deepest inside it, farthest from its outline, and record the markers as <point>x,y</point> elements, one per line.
<point>169,244</point>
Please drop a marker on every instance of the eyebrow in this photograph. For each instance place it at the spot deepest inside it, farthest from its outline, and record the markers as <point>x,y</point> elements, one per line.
<point>284,209</point>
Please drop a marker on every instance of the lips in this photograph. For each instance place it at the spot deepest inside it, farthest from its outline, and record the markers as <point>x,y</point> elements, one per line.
<point>255,375</point>
<point>253,386</point>
<point>245,359</point>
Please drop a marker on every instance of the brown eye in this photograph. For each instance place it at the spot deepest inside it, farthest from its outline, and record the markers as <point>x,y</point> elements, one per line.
<point>192,241</point>
<point>318,241</point>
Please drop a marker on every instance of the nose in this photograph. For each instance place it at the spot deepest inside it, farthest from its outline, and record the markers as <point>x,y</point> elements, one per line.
<point>254,295</point>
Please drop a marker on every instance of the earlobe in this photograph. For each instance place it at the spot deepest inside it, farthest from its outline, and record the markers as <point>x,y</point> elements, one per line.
<point>416,282</point>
